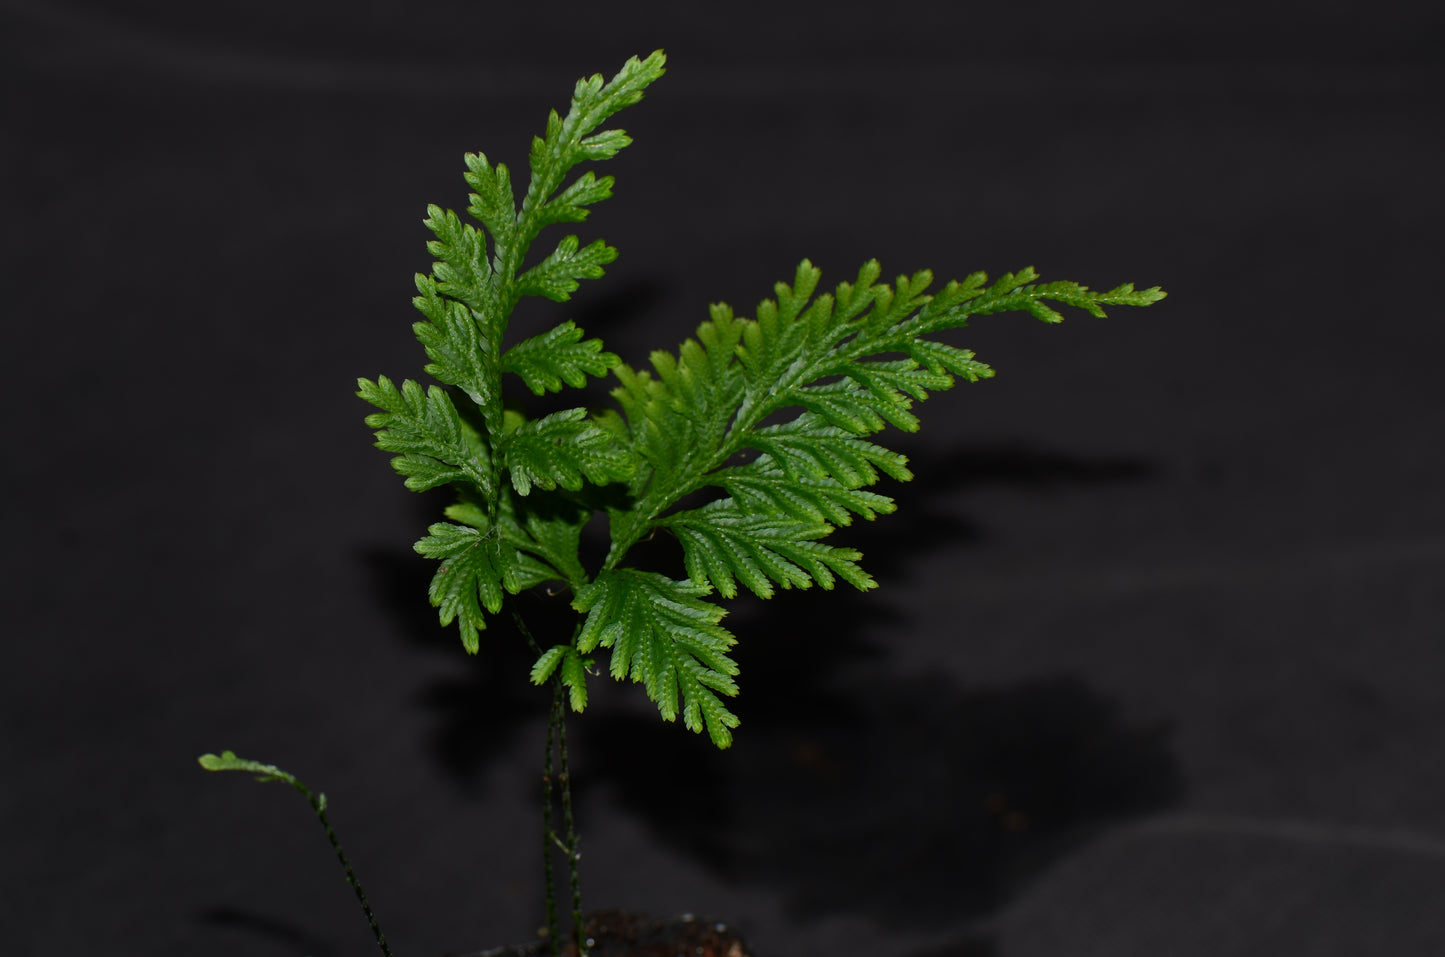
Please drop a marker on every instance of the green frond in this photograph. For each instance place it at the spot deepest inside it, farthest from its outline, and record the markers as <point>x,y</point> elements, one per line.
<point>897,378</point>
<point>534,563</point>
<point>723,544</point>
<point>809,448</point>
<point>468,298</point>
<point>662,634</point>
<point>570,205</point>
<point>891,306</point>
<point>835,358</point>
<point>550,528</point>
<point>564,661</point>
<point>556,277</point>
<point>851,406</point>
<point>462,272</point>
<point>558,356</point>
<point>761,487</point>
<point>572,140</point>
<point>548,663</point>
<point>476,568</point>
<point>666,437</point>
<point>564,448</point>
<point>227,761</point>
<point>941,357</point>
<point>493,204</point>
<point>774,414</point>
<point>460,353</point>
<point>436,447</point>
<point>1018,292</point>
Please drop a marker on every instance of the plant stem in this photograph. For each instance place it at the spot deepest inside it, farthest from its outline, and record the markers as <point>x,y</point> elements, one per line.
<point>574,853</point>
<point>320,805</point>
<point>558,790</point>
<point>557,749</point>
<point>554,932</point>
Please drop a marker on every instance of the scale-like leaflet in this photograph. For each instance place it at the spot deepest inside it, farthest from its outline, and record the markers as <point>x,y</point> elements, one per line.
<point>571,667</point>
<point>662,634</point>
<point>460,354</point>
<point>436,447</point>
<point>482,560</point>
<point>558,356</point>
<point>836,358</point>
<point>562,449</point>
<point>476,567</point>
<point>722,543</point>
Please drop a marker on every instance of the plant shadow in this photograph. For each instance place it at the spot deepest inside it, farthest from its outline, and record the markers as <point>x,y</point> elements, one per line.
<point>909,800</point>
<point>491,690</point>
<point>912,802</point>
<point>267,928</point>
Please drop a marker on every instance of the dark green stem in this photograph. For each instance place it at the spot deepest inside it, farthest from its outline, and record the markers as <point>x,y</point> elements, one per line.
<point>551,785</point>
<point>574,853</point>
<point>319,804</point>
<point>227,761</point>
<point>554,930</point>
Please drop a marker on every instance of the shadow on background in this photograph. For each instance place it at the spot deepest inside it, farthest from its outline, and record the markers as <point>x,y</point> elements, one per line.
<point>966,946</point>
<point>266,928</point>
<point>910,800</point>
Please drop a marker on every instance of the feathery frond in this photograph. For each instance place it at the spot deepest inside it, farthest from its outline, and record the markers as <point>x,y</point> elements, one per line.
<point>832,360</point>
<point>752,444</point>
<point>570,666</point>
<point>436,446</point>
<point>476,568</point>
<point>558,356</point>
<point>662,634</point>
<point>563,449</point>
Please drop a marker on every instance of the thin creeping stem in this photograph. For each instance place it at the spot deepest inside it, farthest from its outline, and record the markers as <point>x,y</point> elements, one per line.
<point>269,772</point>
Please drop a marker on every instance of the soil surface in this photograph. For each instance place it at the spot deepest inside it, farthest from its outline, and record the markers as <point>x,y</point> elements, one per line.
<point>616,933</point>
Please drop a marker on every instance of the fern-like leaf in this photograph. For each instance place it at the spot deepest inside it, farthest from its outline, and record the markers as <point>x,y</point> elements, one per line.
<point>534,561</point>
<point>832,358</point>
<point>436,447</point>
<point>558,356</point>
<point>460,353</point>
<point>722,542</point>
<point>572,140</point>
<point>767,421</point>
<point>662,634</point>
<point>562,449</point>
<point>570,667</point>
<point>762,488</point>
<point>556,277</point>
<point>476,568</point>
<point>809,448</point>
<point>462,272</point>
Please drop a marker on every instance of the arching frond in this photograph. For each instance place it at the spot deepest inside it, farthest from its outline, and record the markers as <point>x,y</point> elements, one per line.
<point>751,444</point>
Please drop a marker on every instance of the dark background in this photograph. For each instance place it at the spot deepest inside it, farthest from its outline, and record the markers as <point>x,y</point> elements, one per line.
<point>1156,663</point>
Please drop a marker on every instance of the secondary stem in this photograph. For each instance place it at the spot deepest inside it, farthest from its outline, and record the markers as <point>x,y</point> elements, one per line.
<point>320,807</point>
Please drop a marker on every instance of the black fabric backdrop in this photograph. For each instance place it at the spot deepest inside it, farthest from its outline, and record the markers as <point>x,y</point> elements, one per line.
<point>1156,662</point>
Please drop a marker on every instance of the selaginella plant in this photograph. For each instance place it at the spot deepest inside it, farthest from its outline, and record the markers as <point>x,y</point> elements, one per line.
<point>750,445</point>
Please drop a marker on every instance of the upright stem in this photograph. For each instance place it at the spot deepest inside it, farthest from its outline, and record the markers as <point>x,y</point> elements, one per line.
<point>574,852</point>
<point>551,784</point>
<point>554,931</point>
